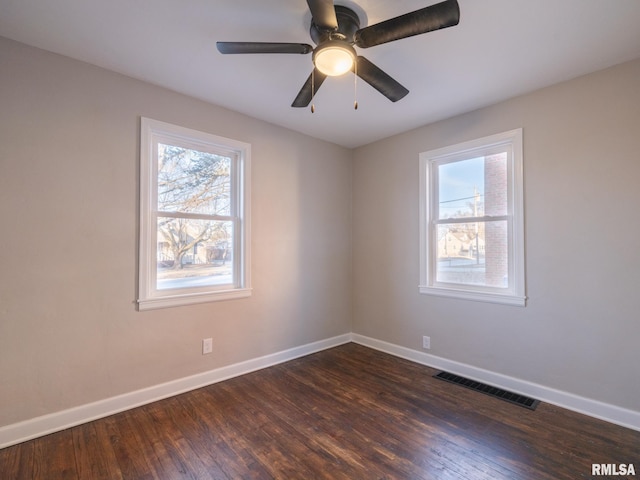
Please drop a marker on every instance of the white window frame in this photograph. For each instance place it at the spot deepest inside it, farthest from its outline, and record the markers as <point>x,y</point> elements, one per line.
<point>514,294</point>
<point>153,132</point>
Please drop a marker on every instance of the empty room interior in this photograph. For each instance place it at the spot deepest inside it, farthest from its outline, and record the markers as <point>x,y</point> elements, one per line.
<point>220,260</point>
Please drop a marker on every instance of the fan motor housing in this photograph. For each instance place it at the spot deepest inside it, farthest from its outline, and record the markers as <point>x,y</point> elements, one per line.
<point>348,25</point>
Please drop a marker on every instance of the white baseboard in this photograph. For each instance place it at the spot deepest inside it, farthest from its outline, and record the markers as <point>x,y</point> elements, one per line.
<point>593,408</point>
<point>54,422</point>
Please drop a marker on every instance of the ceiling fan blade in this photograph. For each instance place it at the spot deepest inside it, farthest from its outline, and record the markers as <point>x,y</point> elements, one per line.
<point>379,80</point>
<point>309,89</point>
<point>441,15</point>
<point>323,13</point>
<point>263,47</point>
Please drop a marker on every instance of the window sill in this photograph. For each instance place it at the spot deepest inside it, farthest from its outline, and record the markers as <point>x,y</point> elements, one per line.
<point>505,299</point>
<point>167,301</point>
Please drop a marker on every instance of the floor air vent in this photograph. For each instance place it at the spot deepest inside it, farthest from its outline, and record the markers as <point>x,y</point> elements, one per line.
<point>510,397</point>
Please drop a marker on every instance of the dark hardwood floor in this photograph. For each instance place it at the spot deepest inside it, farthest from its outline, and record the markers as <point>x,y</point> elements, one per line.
<point>346,413</point>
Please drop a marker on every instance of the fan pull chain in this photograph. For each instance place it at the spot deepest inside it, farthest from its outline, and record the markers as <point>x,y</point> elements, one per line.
<point>355,85</point>
<point>313,90</point>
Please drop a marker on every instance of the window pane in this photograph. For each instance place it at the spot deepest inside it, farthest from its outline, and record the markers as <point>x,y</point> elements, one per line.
<point>473,188</point>
<point>473,254</point>
<point>190,181</point>
<point>194,253</point>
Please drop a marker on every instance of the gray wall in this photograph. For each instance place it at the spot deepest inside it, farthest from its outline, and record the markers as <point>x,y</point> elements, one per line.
<point>69,330</point>
<point>580,331</point>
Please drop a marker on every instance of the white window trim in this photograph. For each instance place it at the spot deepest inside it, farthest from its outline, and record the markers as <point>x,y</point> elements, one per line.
<point>148,296</point>
<point>516,293</point>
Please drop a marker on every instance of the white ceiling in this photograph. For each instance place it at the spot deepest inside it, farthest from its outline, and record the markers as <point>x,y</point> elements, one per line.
<point>500,49</point>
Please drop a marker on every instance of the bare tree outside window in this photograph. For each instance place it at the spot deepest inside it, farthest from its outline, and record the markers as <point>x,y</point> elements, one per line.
<point>192,184</point>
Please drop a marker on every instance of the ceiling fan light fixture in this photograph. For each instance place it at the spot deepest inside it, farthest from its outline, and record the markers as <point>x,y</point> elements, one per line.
<point>334,58</point>
<point>335,29</point>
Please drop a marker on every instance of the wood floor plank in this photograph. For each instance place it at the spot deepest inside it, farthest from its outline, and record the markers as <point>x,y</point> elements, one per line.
<point>17,461</point>
<point>95,459</point>
<point>345,413</point>
<point>218,409</point>
<point>132,458</point>
<point>383,415</point>
<point>200,442</point>
<point>316,448</point>
<point>160,442</point>
<point>54,457</point>
<point>170,438</point>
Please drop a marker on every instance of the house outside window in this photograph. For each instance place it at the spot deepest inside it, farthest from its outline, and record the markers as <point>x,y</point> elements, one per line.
<point>194,216</point>
<point>472,220</point>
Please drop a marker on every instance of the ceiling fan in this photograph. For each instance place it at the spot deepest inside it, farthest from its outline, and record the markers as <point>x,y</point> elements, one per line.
<point>335,29</point>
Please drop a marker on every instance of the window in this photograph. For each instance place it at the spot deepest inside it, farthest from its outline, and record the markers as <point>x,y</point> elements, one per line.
<point>194,216</point>
<point>472,228</point>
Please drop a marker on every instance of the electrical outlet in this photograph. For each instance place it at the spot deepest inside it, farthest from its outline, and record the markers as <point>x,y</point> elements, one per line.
<point>426,343</point>
<point>207,345</point>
